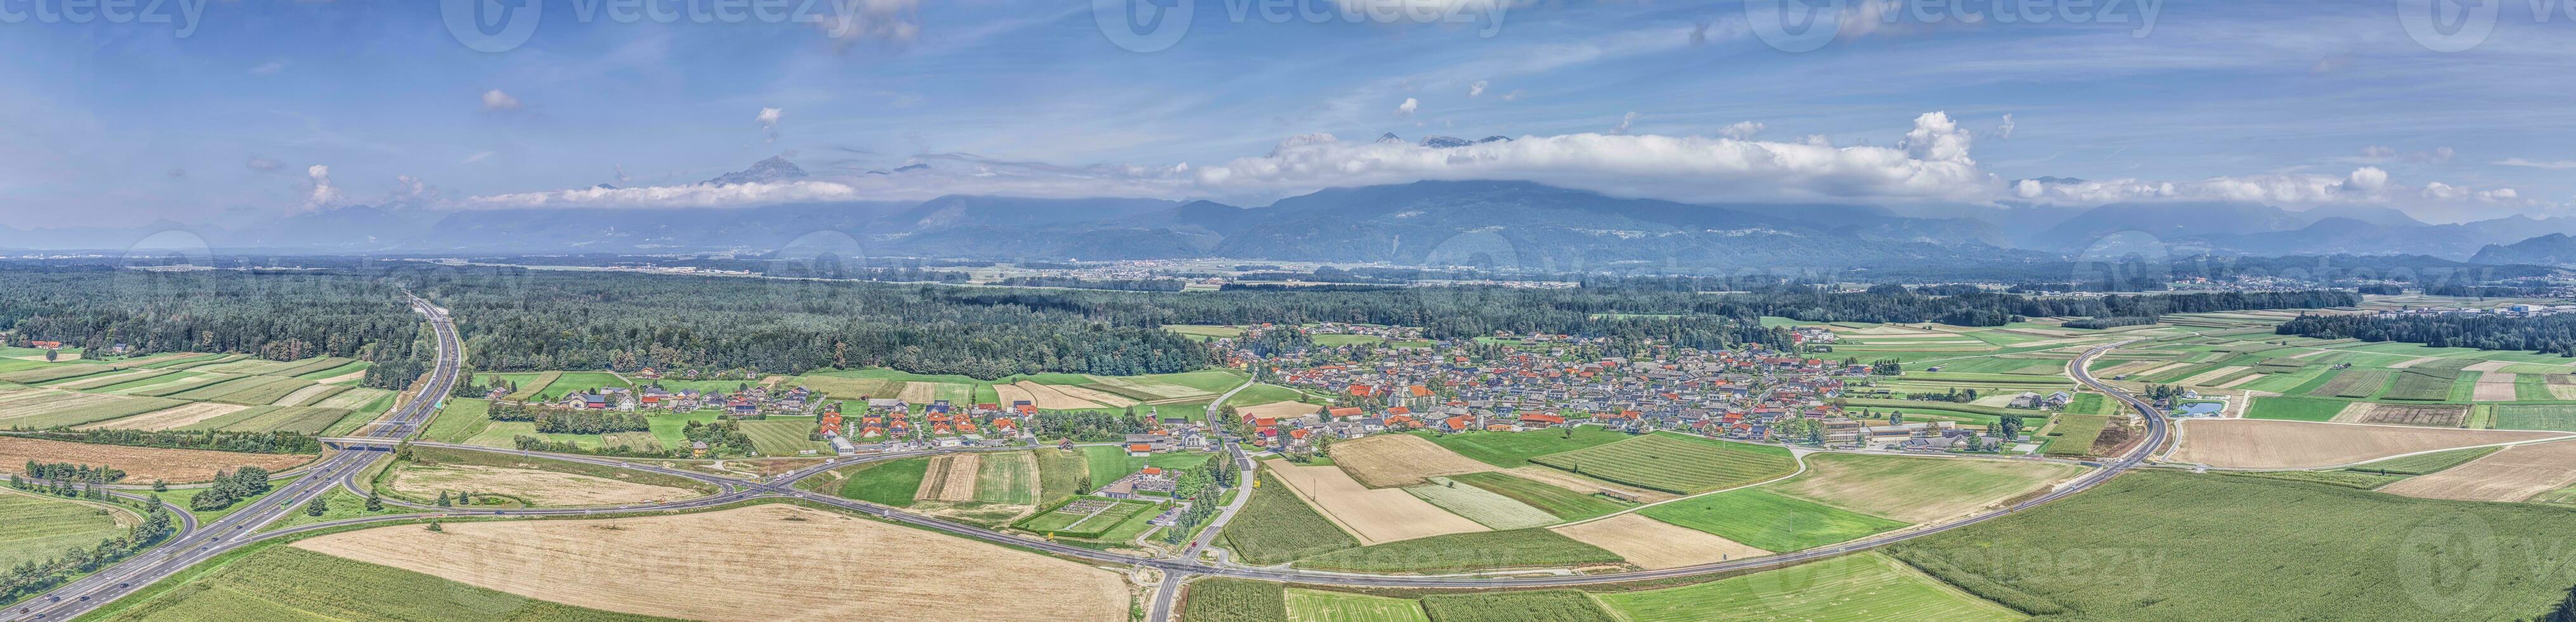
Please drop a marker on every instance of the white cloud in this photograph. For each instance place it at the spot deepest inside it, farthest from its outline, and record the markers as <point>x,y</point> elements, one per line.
<point>1406,109</point>
<point>768,119</point>
<point>477,157</point>
<point>269,68</point>
<point>495,100</point>
<point>1477,89</point>
<point>2378,151</point>
<point>1741,130</point>
<point>1624,121</point>
<point>322,193</point>
<point>852,21</point>
<point>407,187</point>
<point>2005,130</point>
<point>263,165</point>
<point>1513,96</point>
<point>2556,165</point>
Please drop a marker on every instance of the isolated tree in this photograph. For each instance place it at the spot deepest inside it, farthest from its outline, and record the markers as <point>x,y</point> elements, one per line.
<point>160,486</point>
<point>465,498</point>
<point>316,507</point>
<point>51,355</point>
<point>375,503</point>
<point>433,526</point>
<point>443,502</point>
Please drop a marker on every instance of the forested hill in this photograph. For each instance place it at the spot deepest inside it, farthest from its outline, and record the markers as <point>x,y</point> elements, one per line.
<point>2552,334</point>
<point>280,316</point>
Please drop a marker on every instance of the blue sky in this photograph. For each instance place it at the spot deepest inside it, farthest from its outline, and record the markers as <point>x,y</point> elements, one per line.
<point>2294,104</point>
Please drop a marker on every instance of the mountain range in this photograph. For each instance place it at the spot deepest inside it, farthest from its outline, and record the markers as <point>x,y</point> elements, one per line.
<point>1495,223</point>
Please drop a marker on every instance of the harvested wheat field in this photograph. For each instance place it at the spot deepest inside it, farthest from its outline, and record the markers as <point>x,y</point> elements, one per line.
<point>951,477</point>
<point>1653,545</point>
<point>2412,363</point>
<point>2310,354</point>
<point>168,418</point>
<point>2487,366</point>
<point>2267,444</point>
<point>2161,369</point>
<point>2232,383</point>
<point>919,392</point>
<point>734,565</point>
<point>141,464</point>
<point>1586,485</point>
<point>1289,410</point>
<point>309,393</point>
<point>1376,516</point>
<point>2204,378</point>
<point>1049,398</point>
<point>2511,474</point>
<point>347,377</point>
<point>1395,460</point>
<point>538,487</point>
<point>2495,386</point>
<point>1092,395</point>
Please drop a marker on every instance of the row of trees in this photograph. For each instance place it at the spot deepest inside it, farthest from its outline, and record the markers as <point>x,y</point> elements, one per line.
<point>2548,334</point>
<point>1203,486</point>
<point>559,420</point>
<point>243,442</point>
<point>75,472</point>
<point>1090,426</point>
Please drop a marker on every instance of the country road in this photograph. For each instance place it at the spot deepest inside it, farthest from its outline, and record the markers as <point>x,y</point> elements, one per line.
<point>242,528</point>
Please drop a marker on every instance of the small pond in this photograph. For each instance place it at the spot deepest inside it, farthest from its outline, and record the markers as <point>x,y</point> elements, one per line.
<point>2194,409</point>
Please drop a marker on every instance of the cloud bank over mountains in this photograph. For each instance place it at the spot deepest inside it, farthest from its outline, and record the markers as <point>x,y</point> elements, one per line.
<point>1930,163</point>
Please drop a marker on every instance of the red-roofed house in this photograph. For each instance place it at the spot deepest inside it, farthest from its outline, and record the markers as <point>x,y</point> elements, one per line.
<point>1140,449</point>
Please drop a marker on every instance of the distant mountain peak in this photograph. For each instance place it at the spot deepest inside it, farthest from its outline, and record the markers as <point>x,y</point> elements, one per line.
<point>1443,142</point>
<point>1389,137</point>
<point>773,170</point>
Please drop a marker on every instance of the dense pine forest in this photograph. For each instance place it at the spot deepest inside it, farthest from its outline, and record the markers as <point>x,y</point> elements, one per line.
<point>2552,334</point>
<point>277,315</point>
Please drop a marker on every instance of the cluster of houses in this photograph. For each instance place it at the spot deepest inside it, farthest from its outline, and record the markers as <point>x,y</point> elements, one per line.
<point>1552,381</point>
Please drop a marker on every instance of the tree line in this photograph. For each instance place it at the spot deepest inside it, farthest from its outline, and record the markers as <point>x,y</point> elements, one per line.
<point>560,420</point>
<point>244,442</point>
<point>73,472</point>
<point>231,487</point>
<point>2548,334</point>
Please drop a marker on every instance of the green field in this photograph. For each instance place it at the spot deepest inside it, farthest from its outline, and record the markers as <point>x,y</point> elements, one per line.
<point>1321,606</point>
<point>1768,521</point>
<point>1223,599</point>
<point>1533,606</point>
<point>287,583</point>
<point>1916,489</point>
<point>2560,417</point>
<point>1005,478</point>
<point>2424,464</point>
<point>34,528</point>
<point>459,420</point>
<point>1089,517</point>
<point>2347,479</point>
<point>1275,528</point>
<point>1459,552</point>
<point>1511,449</point>
<point>1676,463</point>
<point>1565,504</point>
<point>1059,474</point>
<point>783,436</point>
<point>2159,545</point>
<point>2075,434</point>
<point>2295,408</point>
<point>1856,588</point>
<point>886,483</point>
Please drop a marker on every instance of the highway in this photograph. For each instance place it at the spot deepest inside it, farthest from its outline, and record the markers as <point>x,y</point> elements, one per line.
<point>343,467</point>
<point>236,529</point>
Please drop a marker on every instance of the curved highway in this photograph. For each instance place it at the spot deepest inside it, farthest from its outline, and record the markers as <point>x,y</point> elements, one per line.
<point>343,468</point>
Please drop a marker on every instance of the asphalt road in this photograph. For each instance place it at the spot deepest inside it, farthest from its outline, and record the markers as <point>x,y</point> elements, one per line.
<point>241,528</point>
<point>233,530</point>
